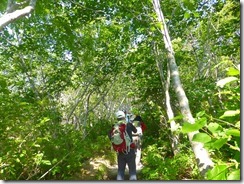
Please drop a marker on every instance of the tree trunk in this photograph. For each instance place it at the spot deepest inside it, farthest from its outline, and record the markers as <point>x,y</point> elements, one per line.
<point>174,137</point>
<point>173,125</point>
<point>11,15</point>
<point>203,160</point>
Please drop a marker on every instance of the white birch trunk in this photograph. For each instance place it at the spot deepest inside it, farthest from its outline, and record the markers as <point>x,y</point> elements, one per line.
<point>203,160</point>
<point>173,125</point>
<point>12,15</point>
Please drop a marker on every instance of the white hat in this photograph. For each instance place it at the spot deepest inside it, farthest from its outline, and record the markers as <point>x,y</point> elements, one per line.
<point>120,114</point>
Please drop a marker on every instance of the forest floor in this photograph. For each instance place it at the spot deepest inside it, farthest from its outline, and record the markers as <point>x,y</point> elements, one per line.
<point>100,169</point>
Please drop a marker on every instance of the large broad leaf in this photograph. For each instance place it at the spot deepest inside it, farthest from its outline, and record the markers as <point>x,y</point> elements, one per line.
<point>187,15</point>
<point>234,175</point>
<point>219,143</point>
<point>201,113</point>
<point>188,127</point>
<point>221,83</point>
<point>46,162</point>
<point>234,132</point>
<point>216,143</point>
<point>230,113</point>
<point>218,173</point>
<point>214,127</point>
<point>201,137</point>
<point>232,72</point>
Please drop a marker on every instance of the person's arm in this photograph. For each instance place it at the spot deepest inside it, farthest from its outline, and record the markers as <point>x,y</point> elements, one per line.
<point>137,118</point>
<point>133,128</point>
<point>143,126</point>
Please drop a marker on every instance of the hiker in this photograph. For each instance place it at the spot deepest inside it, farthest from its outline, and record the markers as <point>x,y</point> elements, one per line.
<point>125,157</point>
<point>141,122</point>
<point>137,137</point>
<point>128,117</point>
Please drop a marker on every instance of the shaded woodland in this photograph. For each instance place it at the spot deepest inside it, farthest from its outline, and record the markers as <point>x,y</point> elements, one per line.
<point>66,67</point>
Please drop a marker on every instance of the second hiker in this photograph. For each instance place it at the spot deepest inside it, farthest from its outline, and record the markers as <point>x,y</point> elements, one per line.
<point>121,138</point>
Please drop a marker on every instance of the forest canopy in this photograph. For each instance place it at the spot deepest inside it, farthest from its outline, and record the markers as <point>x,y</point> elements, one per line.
<point>66,67</point>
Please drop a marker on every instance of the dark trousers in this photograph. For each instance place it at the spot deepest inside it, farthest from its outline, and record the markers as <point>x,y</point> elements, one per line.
<point>128,159</point>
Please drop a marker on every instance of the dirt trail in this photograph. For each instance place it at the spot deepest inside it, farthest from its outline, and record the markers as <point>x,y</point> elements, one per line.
<point>100,169</point>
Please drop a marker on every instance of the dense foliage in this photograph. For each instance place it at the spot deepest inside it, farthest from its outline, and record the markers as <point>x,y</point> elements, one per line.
<point>69,65</point>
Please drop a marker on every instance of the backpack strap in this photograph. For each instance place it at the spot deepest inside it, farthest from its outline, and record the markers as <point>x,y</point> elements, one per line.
<point>127,138</point>
<point>128,142</point>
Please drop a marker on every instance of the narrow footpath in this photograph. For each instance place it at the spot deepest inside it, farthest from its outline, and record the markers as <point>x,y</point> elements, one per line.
<point>100,169</point>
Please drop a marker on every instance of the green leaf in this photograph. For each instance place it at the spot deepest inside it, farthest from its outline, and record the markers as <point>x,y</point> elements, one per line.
<point>46,162</point>
<point>43,122</point>
<point>201,137</point>
<point>23,153</point>
<point>55,160</point>
<point>233,72</point>
<point>188,127</point>
<point>200,114</point>
<point>201,122</point>
<point>36,145</point>
<point>159,25</point>
<point>196,15</point>
<point>221,83</point>
<point>219,143</point>
<point>230,113</point>
<point>3,83</point>
<point>234,132</point>
<point>186,15</point>
<point>218,173</point>
<point>176,118</point>
<point>234,175</point>
<point>237,148</point>
<point>56,170</point>
<point>214,127</point>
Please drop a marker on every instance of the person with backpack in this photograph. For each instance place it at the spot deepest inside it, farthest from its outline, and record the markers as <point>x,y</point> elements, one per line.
<point>137,137</point>
<point>121,138</point>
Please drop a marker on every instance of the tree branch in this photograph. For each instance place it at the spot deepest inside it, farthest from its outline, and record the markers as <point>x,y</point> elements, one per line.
<point>17,14</point>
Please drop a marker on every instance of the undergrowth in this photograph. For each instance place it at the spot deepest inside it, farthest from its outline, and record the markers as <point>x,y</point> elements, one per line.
<point>159,166</point>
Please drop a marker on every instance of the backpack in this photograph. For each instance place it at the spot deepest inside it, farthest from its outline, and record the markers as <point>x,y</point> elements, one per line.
<point>137,124</point>
<point>120,138</point>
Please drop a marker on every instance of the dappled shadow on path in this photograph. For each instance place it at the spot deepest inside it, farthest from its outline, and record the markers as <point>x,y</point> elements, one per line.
<point>99,169</point>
